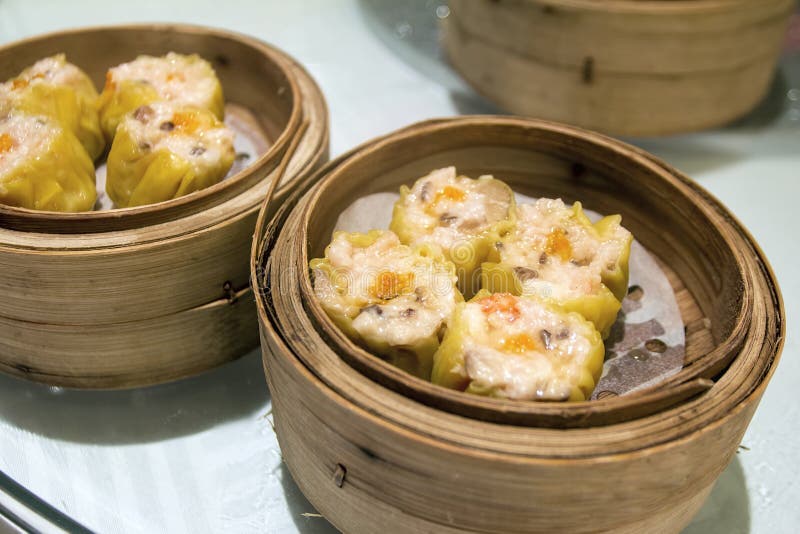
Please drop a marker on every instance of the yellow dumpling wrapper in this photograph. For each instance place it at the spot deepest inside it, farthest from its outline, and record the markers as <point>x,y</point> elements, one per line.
<point>616,272</point>
<point>43,166</point>
<point>182,79</point>
<point>164,151</point>
<point>57,89</point>
<point>392,299</point>
<point>556,254</point>
<point>506,346</point>
<point>462,216</point>
<point>125,97</point>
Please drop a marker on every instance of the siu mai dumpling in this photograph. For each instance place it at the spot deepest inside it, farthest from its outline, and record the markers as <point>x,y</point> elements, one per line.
<point>462,216</point>
<point>163,151</point>
<point>555,253</point>
<point>55,88</point>
<point>188,80</point>
<point>43,166</point>
<point>501,345</point>
<point>391,298</point>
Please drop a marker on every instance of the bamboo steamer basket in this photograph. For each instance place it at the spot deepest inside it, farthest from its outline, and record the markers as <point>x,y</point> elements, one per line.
<point>374,449</point>
<point>136,296</point>
<point>623,67</point>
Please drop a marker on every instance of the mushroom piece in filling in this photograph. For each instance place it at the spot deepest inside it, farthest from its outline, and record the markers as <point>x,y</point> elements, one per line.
<point>462,216</point>
<point>392,299</point>
<point>507,346</point>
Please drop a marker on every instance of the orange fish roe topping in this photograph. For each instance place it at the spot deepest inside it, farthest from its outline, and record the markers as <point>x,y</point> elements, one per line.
<point>22,83</point>
<point>185,121</point>
<point>110,84</point>
<point>504,303</point>
<point>558,244</point>
<point>6,143</point>
<point>518,344</point>
<point>450,193</point>
<point>389,285</point>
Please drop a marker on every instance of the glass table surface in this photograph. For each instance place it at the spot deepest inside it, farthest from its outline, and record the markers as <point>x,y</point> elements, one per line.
<point>200,455</point>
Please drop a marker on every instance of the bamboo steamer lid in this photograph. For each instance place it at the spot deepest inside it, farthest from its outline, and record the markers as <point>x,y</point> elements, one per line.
<point>623,67</point>
<point>135,296</point>
<point>373,450</point>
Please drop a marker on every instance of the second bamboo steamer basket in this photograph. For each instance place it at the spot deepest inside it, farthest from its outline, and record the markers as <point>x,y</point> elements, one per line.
<point>137,296</point>
<point>623,67</point>
<point>373,450</point>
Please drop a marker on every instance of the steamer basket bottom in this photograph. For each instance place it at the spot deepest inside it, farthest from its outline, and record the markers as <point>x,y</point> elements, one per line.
<point>133,354</point>
<point>358,471</point>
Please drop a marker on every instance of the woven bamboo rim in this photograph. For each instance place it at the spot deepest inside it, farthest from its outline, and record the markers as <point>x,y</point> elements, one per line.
<point>370,457</point>
<point>717,248</point>
<point>123,308</point>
